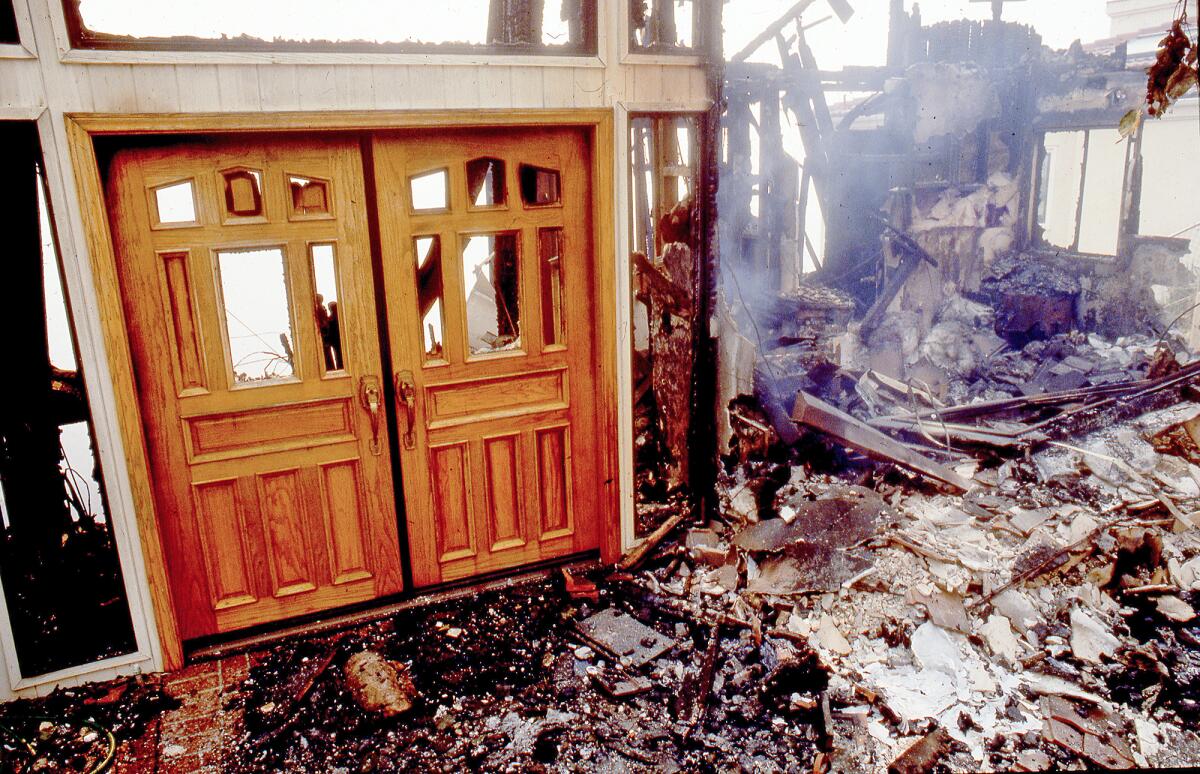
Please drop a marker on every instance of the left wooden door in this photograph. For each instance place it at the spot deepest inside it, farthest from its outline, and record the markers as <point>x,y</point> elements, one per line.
<point>247,287</point>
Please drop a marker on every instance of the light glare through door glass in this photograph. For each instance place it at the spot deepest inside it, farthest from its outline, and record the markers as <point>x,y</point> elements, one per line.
<point>258,319</point>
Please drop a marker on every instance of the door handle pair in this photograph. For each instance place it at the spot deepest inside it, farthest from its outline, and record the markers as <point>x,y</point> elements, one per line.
<point>371,395</point>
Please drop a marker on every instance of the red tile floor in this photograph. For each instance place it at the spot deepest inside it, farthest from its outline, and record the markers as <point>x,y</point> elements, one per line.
<point>197,736</point>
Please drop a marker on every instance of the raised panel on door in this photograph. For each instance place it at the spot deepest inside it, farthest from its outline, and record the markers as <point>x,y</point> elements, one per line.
<point>491,295</point>
<point>247,285</point>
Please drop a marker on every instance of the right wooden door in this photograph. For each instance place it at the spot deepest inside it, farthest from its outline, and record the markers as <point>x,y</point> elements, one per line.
<point>489,280</point>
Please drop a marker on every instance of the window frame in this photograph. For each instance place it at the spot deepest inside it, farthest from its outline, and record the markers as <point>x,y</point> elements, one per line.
<point>1128,208</point>
<point>79,44</point>
<point>23,47</point>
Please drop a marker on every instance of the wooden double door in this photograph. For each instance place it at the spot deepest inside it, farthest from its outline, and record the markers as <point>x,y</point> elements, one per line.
<point>296,387</point>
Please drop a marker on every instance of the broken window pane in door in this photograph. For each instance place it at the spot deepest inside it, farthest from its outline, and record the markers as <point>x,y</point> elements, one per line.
<point>539,186</point>
<point>243,192</point>
<point>176,203</point>
<point>490,280</point>
<point>550,243</point>
<point>258,316</point>
<point>428,250</point>
<point>310,197</point>
<point>485,182</point>
<point>325,306</point>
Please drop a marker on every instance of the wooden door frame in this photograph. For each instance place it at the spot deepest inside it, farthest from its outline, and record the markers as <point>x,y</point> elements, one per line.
<point>83,128</point>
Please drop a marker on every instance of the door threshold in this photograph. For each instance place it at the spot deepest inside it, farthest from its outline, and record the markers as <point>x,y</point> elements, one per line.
<point>223,645</point>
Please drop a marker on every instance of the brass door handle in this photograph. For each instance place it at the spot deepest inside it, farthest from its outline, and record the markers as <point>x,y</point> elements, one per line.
<point>371,395</point>
<point>406,397</point>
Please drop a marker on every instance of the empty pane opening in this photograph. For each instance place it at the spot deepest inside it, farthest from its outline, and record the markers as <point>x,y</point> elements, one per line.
<point>176,203</point>
<point>325,306</point>
<point>258,317</point>
<point>429,191</point>
<point>539,185</point>
<point>490,279</point>
<point>1079,190</point>
<point>428,250</point>
<point>550,244</point>
<point>485,182</point>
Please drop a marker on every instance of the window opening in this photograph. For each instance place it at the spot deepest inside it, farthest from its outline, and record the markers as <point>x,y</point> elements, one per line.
<point>176,203</point>
<point>449,27</point>
<point>326,306</point>
<point>428,252</point>
<point>662,26</point>
<point>1079,190</point>
<point>258,317</point>
<point>490,267</point>
<point>539,186</point>
<point>550,255</point>
<point>429,192</point>
<point>485,183</point>
<point>59,562</point>
<point>9,33</point>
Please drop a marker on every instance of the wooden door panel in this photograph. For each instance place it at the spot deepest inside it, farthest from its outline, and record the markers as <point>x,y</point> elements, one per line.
<point>272,482</point>
<point>494,477</point>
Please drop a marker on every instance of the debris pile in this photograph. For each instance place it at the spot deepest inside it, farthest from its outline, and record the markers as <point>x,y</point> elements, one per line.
<point>1043,618</point>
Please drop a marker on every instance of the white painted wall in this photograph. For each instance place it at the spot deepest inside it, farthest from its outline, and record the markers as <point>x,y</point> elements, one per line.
<point>43,79</point>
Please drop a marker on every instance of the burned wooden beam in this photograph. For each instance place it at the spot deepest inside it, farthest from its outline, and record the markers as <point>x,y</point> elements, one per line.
<point>635,557</point>
<point>819,415</point>
<point>771,30</point>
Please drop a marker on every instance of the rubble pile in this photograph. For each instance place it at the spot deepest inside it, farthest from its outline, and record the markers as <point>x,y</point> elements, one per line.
<point>1044,619</point>
<point>549,675</point>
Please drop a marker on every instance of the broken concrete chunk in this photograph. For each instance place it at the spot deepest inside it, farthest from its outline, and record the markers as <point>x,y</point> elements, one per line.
<point>836,522</point>
<point>701,537</point>
<point>1186,575</point>
<point>831,638</point>
<point>806,568</point>
<point>1090,640</point>
<point>944,609</point>
<point>914,694</point>
<point>1017,608</point>
<point>378,685</point>
<point>624,637</point>
<point>1027,520</point>
<point>1090,732</point>
<point>998,634</point>
<point>921,757</point>
<point>1175,608</point>
<point>619,685</point>
<point>935,650</point>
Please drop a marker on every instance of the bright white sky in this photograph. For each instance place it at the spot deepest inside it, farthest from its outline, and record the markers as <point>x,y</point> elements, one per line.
<point>862,41</point>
